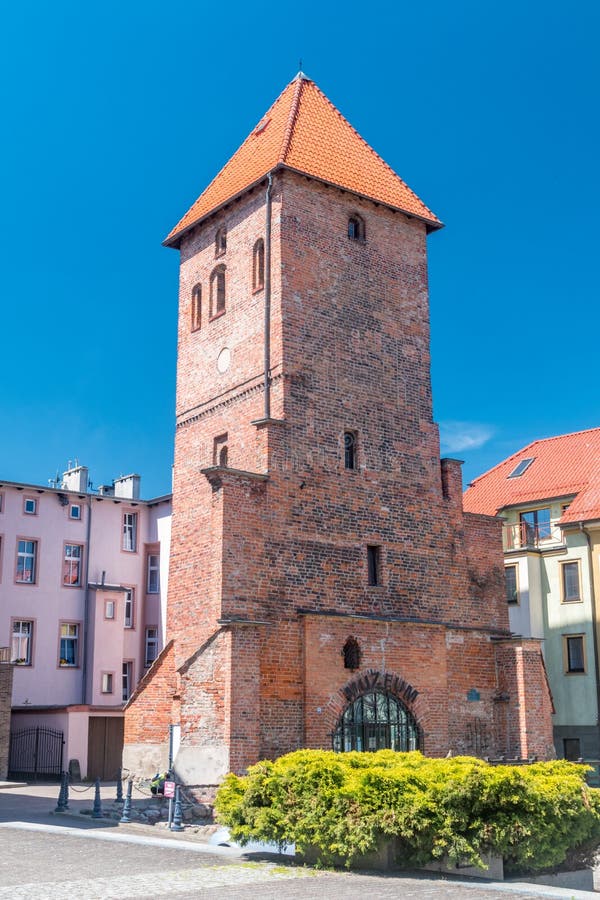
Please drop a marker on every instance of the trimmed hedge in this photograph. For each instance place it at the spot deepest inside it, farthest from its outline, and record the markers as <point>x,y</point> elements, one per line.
<point>344,804</point>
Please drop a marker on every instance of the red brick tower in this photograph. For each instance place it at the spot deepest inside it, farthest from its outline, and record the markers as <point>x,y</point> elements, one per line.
<point>325,584</point>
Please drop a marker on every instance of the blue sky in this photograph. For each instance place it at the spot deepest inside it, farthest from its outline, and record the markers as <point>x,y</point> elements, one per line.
<point>116,115</point>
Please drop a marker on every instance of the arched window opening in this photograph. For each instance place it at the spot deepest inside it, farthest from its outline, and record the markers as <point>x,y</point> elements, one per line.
<point>220,242</point>
<point>356,228</point>
<point>220,450</point>
<point>258,265</point>
<point>351,654</point>
<point>376,721</point>
<point>217,292</point>
<point>196,307</point>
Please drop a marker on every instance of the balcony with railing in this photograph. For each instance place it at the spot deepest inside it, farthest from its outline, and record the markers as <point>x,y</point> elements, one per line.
<point>530,536</point>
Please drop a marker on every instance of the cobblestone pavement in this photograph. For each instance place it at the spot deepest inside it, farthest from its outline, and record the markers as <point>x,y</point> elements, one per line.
<point>46,857</point>
<point>51,862</point>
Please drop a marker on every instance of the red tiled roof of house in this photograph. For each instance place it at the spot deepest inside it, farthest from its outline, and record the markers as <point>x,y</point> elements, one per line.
<point>304,131</point>
<point>562,466</point>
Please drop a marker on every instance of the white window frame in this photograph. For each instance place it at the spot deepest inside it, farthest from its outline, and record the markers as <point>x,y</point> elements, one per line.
<point>72,514</point>
<point>73,638</point>
<point>153,585</point>
<point>127,685</point>
<point>72,561</point>
<point>129,609</point>
<point>109,609</point>
<point>22,639</point>
<point>150,643</point>
<point>25,554</point>
<point>33,502</point>
<point>129,537</point>
<point>107,683</point>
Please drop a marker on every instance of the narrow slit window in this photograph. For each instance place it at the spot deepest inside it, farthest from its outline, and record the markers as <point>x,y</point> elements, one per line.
<point>196,307</point>
<point>221,242</point>
<point>258,266</point>
<point>217,292</point>
<point>356,228</point>
<point>373,565</point>
<point>349,450</point>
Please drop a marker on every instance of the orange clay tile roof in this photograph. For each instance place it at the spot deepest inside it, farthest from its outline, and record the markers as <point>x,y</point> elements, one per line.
<point>562,466</point>
<point>304,131</point>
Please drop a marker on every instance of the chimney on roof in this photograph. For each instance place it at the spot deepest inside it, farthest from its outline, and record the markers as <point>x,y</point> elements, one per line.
<point>128,487</point>
<point>76,479</point>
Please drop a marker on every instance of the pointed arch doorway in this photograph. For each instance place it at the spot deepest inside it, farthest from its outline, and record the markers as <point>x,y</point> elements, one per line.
<point>376,720</point>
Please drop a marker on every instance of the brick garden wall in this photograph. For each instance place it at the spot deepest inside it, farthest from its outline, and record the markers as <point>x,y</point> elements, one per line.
<point>6,681</point>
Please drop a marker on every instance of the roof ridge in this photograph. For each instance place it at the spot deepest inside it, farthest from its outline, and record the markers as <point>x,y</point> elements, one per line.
<point>523,450</point>
<point>560,437</point>
<point>292,118</point>
<point>263,118</point>
<point>371,149</point>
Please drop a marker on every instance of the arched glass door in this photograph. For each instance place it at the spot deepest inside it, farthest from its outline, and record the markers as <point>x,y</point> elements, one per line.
<point>376,721</point>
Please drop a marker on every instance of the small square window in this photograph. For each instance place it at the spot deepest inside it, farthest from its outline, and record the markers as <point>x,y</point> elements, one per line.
<point>107,682</point>
<point>30,506</point>
<point>75,511</point>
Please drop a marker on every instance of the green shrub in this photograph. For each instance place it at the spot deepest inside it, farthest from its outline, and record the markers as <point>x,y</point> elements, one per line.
<point>344,804</point>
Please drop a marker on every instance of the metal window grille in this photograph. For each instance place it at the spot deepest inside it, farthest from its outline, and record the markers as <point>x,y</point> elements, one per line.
<point>376,721</point>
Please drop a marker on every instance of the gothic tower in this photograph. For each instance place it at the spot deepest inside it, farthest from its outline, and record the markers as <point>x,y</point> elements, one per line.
<point>326,588</point>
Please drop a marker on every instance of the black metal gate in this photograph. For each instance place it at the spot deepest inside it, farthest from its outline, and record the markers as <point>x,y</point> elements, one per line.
<point>36,751</point>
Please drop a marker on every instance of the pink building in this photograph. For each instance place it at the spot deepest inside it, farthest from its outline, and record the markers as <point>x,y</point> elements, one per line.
<point>83,586</point>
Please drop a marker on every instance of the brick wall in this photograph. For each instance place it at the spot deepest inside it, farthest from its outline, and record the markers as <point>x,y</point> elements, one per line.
<point>268,571</point>
<point>6,681</point>
<point>152,708</point>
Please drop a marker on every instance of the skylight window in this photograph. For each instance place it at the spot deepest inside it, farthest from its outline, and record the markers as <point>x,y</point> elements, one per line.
<point>521,467</point>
